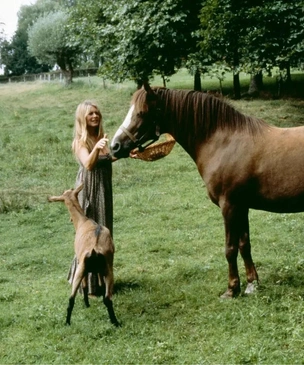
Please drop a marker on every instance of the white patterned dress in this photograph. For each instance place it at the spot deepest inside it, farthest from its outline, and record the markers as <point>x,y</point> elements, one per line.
<point>96,199</point>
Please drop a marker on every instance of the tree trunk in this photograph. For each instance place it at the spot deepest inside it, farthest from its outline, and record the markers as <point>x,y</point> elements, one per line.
<point>288,74</point>
<point>197,81</point>
<point>237,86</point>
<point>236,75</point>
<point>66,68</point>
<point>70,71</point>
<point>256,83</point>
<point>67,76</point>
<point>139,84</point>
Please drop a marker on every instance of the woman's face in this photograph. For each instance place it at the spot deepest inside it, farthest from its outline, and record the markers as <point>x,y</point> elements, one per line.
<point>93,118</point>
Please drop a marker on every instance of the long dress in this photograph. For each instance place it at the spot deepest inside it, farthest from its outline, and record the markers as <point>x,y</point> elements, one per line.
<point>96,200</point>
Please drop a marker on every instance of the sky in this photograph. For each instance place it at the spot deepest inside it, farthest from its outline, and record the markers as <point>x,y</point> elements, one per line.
<point>8,14</point>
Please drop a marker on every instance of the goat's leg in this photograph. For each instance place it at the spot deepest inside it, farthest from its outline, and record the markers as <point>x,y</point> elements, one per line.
<point>76,283</point>
<point>85,289</point>
<point>107,299</point>
<point>69,310</point>
<point>109,304</point>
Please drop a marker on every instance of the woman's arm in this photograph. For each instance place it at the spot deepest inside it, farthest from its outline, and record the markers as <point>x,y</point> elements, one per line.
<point>89,159</point>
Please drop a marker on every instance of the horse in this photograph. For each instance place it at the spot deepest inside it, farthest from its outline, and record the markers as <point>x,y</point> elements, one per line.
<point>244,162</point>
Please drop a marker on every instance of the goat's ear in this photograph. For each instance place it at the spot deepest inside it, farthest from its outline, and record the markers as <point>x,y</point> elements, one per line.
<point>55,198</point>
<point>78,189</point>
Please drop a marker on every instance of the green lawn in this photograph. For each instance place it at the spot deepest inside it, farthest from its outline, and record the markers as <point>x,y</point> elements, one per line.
<point>170,267</point>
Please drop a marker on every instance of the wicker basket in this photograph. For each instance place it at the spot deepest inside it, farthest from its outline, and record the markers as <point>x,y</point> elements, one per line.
<point>156,150</point>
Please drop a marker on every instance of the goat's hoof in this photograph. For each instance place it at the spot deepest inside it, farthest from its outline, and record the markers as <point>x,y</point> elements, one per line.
<point>67,323</point>
<point>117,324</point>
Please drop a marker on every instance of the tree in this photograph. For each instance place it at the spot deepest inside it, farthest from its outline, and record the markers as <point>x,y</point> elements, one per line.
<point>14,53</point>
<point>15,57</point>
<point>275,37</point>
<point>136,38</point>
<point>48,42</point>
<point>2,34</point>
<point>222,29</point>
<point>253,36</point>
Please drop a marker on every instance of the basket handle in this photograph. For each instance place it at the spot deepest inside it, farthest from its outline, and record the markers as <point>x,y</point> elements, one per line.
<point>169,137</point>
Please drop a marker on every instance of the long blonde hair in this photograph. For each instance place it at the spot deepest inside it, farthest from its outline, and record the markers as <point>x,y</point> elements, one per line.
<point>81,135</point>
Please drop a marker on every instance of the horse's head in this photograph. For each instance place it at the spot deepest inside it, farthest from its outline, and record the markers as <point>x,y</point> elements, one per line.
<point>140,127</point>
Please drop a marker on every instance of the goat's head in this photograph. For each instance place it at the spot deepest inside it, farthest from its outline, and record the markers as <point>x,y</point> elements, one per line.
<point>66,195</point>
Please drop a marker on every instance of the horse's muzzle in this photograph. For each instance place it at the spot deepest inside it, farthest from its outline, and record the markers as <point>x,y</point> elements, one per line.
<point>118,151</point>
<point>115,147</point>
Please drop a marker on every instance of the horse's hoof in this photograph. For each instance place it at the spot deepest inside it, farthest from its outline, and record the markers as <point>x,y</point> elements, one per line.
<point>231,293</point>
<point>227,295</point>
<point>251,287</point>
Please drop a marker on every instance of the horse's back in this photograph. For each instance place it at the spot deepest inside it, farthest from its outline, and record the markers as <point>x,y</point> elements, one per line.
<point>265,171</point>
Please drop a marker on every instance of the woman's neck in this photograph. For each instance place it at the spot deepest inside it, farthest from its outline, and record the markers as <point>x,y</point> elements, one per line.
<point>93,133</point>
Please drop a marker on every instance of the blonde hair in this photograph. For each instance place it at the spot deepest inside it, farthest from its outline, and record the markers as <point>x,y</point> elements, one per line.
<point>81,135</point>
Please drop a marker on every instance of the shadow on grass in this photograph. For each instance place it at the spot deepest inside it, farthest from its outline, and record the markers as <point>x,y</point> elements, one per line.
<point>122,287</point>
<point>283,277</point>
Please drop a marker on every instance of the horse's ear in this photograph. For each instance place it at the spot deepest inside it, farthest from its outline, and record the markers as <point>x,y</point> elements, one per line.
<point>151,96</point>
<point>147,87</point>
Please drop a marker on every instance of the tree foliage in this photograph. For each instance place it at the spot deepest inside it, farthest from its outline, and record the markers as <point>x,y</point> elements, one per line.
<point>47,41</point>
<point>14,53</point>
<point>275,34</point>
<point>254,35</point>
<point>17,60</point>
<point>137,38</point>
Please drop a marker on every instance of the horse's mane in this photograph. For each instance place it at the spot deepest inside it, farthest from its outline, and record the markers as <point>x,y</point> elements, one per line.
<point>206,112</point>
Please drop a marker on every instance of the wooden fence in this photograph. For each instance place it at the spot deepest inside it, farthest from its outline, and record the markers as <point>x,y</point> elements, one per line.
<point>47,76</point>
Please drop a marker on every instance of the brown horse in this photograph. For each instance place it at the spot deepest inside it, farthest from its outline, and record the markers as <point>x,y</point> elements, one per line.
<point>244,162</point>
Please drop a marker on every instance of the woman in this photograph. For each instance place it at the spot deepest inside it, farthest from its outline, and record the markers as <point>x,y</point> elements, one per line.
<point>95,171</point>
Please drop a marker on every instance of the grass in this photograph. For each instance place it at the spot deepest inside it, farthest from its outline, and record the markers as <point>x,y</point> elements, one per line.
<point>169,266</point>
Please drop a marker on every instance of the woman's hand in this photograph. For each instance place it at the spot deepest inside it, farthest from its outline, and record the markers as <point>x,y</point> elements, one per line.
<point>133,154</point>
<point>102,145</point>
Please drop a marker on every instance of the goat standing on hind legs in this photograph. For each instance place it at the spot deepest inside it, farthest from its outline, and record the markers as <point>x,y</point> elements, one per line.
<point>94,249</point>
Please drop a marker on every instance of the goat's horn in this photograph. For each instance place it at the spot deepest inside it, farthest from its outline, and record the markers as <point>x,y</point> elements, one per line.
<point>78,189</point>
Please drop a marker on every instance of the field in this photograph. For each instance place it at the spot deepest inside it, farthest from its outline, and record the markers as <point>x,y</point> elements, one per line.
<point>170,268</point>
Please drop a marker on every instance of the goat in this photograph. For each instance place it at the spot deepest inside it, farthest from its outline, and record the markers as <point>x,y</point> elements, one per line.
<point>94,249</point>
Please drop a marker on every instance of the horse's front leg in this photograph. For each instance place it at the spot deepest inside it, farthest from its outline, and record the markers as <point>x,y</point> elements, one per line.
<point>232,232</point>
<point>245,250</point>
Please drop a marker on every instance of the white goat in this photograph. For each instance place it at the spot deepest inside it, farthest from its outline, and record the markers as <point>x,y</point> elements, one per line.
<point>94,249</point>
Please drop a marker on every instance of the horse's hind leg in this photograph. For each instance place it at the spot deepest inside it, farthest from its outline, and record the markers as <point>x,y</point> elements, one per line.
<point>237,238</point>
<point>245,250</point>
<point>231,220</point>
